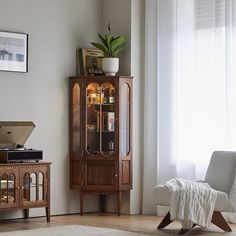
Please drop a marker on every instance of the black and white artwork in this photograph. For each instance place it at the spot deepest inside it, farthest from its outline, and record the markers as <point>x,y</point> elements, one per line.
<point>13,52</point>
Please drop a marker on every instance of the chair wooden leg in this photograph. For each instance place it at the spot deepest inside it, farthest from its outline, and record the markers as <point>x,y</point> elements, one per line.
<point>183,231</point>
<point>166,221</point>
<point>219,220</point>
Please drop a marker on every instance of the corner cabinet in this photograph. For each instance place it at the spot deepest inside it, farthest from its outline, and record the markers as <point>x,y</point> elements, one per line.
<point>101,135</point>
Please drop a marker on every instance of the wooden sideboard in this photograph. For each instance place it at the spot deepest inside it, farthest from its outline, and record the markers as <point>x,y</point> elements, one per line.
<point>24,186</point>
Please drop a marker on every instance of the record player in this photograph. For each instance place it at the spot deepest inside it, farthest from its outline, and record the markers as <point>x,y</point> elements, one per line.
<point>13,135</point>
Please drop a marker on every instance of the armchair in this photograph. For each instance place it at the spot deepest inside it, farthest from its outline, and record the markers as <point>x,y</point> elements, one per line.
<point>220,176</point>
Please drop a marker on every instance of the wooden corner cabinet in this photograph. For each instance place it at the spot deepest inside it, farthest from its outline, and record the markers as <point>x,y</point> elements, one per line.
<point>101,135</point>
<point>24,186</point>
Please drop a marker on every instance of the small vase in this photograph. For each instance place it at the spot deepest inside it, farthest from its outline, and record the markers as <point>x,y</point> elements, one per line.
<point>110,66</point>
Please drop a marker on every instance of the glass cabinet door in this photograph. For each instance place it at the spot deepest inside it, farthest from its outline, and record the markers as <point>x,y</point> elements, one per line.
<point>33,188</point>
<point>100,119</point>
<point>8,193</point>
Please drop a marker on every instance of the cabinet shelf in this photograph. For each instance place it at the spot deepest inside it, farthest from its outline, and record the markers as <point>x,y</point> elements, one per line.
<point>101,104</point>
<point>91,131</point>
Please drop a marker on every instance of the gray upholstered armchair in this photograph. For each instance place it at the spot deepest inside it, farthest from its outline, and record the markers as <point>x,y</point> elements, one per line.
<point>221,177</point>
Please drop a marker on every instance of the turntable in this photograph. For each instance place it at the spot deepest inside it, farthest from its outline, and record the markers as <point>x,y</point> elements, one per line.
<point>13,135</point>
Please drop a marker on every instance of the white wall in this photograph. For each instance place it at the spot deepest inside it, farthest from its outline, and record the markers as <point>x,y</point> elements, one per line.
<point>137,70</point>
<point>118,14</point>
<point>56,28</point>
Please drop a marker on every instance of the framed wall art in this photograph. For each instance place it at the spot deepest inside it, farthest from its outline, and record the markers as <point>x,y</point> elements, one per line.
<point>13,51</point>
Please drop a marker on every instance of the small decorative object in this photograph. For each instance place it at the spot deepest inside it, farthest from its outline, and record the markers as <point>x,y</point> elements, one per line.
<point>13,51</point>
<point>111,46</point>
<point>91,127</point>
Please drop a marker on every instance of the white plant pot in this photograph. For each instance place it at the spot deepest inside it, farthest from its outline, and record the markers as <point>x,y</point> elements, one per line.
<point>110,65</point>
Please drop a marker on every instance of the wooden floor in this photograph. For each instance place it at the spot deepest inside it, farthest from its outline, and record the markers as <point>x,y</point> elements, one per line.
<point>135,223</point>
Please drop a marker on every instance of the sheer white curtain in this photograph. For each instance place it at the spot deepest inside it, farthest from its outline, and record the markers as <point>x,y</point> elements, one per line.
<point>196,86</point>
<point>204,84</point>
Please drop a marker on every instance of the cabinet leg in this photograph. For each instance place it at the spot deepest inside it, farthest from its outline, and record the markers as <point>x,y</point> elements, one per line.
<point>47,209</point>
<point>26,213</point>
<point>102,201</point>
<point>81,202</point>
<point>119,195</point>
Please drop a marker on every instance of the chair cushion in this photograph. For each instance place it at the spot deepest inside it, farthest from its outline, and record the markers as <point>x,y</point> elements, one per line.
<point>221,170</point>
<point>161,196</point>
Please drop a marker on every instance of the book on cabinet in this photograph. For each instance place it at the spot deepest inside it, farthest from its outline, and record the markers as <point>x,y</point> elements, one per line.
<point>89,61</point>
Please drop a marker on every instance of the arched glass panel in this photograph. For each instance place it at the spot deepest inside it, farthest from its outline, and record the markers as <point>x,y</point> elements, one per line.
<point>33,187</point>
<point>76,119</point>
<point>125,120</point>
<point>7,188</point>
<point>93,118</point>
<point>26,184</point>
<point>40,186</point>
<point>107,119</point>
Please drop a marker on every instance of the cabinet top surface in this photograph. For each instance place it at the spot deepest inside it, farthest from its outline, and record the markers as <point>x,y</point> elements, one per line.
<point>24,163</point>
<point>101,77</point>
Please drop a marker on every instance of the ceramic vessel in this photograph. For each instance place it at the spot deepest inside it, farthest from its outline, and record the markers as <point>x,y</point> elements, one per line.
<point>110,66</point>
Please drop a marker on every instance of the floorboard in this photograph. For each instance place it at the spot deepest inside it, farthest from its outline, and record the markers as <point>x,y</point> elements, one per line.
<point>137,223</point>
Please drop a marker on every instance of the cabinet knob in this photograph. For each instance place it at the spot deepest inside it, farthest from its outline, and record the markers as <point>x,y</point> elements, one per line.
<point>116,175</point>
<point>18,187</point>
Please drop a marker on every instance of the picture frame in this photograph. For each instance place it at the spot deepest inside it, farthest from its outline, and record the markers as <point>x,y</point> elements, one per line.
<point>89,61</point>
<point>13,52</point>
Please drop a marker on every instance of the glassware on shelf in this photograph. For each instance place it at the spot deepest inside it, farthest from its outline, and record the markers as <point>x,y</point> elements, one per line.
<point>111,97</point>
<point>111,146</point>
<point>98,96</point>
<point>105,95</point>
<point>91,97</point>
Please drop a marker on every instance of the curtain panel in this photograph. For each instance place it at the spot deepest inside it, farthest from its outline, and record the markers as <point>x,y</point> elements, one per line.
<point>191,63</point>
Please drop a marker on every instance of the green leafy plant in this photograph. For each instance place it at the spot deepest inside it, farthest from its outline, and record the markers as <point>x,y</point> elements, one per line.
<point>111,46</point>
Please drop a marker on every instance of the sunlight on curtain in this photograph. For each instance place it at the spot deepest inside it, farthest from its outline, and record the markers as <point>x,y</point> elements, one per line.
<point>205,83</point>
<point>194,74</point>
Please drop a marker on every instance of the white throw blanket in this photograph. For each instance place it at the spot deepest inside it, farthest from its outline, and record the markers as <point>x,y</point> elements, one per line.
<point>191,202</point>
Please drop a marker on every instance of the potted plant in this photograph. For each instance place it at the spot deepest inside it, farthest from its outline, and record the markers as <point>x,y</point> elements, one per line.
<point>111,47</point>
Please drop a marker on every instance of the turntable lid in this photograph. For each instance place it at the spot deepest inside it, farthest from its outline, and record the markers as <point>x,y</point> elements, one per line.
<point>15,132</point>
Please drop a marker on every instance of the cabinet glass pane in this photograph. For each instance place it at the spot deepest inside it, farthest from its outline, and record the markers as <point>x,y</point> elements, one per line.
<point>76,120</point>
<point>107,118</point>
<point>40,186</point>
<point>33,187</point>
<point>7,189</point>
<point>125,120</point>
<point>93,118</point>
<point>26,184</point>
